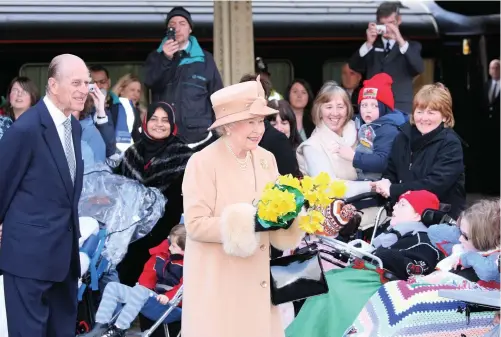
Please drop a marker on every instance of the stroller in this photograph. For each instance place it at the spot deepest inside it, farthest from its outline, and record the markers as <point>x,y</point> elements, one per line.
<point>115,211</point>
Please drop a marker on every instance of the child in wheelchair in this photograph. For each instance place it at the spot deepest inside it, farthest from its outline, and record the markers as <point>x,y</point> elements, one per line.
<point>162,276</point>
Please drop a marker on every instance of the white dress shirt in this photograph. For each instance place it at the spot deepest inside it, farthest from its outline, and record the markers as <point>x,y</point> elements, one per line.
<point>364,50</point>
<point>59,118</point>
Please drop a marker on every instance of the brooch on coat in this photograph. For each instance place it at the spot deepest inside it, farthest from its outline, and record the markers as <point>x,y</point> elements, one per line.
<point>264,163</point>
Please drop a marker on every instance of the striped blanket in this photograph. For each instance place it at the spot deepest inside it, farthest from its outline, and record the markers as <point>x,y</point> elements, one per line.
<point>414,308</point>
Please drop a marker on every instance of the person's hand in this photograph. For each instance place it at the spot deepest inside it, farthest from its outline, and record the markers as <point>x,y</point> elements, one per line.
<point>346,152</point>
<point>99,101</point>
<point>382,187</point>
<point>162,299</point>
<point>393,30</point>
<point>169,48</point>
<point>371,33</point>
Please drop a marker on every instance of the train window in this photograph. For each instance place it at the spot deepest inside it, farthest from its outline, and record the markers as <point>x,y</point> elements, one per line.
<point>282,73</point>
<point>332,71</point>
<point>37,72</point>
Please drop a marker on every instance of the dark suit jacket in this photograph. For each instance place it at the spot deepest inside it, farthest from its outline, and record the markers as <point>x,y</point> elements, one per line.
<point>494,106</point>
<point>401,67</point>
<point>38,201</point>
<point>278,144</point>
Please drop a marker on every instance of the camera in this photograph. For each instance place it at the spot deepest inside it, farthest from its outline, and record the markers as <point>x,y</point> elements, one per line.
<point>92,87</point>
<point>381,29</point>
<point>171,33</point>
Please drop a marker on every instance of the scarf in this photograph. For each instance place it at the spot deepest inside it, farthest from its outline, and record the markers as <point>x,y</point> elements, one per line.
<point>419,140</point>
<point>157,163</point>
<point>192,54</point>
<point>323,139</point>
<point>389,237</point>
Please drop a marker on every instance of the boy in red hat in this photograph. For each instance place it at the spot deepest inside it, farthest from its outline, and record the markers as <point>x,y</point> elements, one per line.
<point>404,248</point>
<point>378,129</point>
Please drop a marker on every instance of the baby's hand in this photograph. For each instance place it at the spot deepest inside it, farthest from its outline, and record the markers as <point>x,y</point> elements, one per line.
<point>162,299</point>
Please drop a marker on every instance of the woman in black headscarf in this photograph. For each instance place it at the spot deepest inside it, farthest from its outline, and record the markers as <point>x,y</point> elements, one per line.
<point>158,160</point>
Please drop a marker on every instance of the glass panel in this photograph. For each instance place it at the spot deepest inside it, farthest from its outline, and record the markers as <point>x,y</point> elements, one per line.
<point>332,71</point>
<point>37,72</point>
<point>282,74</point>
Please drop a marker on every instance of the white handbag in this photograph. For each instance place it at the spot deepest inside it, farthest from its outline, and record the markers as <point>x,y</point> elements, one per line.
<point>3,312</point>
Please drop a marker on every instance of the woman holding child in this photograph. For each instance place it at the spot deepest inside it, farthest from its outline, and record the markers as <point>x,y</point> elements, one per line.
<point>226,268</point>
<point>427,154</point>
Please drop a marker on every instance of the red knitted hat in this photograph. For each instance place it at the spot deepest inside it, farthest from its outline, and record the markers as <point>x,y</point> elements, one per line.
<point>421,200</point>
<point>378,87</point>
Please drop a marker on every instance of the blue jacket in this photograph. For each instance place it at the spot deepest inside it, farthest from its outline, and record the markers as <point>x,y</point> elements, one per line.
<point>445,236</point>
<point>374,145</point>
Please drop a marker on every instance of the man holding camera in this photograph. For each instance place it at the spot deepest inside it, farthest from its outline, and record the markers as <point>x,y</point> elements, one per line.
<point>180,73</point>
<point>386,51</point>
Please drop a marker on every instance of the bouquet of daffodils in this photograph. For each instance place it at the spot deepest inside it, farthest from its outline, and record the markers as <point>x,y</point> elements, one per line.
<point>290,198</point>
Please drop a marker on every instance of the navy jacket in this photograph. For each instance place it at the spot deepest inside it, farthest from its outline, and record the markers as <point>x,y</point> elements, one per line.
<point>38,201</point>
<point>185,82</point>
<point>375,141</point>
<point>436,166</point>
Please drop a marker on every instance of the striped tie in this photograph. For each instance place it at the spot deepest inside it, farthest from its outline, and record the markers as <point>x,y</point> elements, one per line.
<point>68,149</point>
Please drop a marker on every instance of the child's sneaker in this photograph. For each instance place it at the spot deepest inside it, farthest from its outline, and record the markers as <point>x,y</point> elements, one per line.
<point>97,331</point>
<point>113,331</point>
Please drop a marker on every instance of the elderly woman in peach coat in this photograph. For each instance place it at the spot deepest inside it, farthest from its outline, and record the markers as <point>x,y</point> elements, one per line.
<point>226,264</point>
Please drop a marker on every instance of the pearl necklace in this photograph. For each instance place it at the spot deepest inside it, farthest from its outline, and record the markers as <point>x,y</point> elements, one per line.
<point>241,162</point>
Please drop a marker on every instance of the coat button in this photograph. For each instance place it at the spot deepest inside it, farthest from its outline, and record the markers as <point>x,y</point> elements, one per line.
<point>264,284</point>
<point>262,247</point>
<point>70,229</point>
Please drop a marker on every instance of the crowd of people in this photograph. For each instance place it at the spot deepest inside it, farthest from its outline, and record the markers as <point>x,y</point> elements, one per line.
<point>211,150</point>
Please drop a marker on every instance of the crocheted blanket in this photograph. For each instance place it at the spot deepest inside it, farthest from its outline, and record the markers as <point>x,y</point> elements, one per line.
<point>414,308</point>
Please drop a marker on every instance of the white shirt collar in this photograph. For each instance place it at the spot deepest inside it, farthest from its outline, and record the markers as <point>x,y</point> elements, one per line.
<point>392,42</point>
<point>57,115</point>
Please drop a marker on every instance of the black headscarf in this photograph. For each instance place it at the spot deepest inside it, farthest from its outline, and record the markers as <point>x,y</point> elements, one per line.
<point>153,147</point>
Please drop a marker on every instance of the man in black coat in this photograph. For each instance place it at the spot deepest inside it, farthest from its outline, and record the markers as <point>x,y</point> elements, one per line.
<point>386,51</point>
<point>182,74</point>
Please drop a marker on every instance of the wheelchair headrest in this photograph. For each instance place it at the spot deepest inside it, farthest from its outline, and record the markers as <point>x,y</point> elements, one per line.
<point>434,217</point>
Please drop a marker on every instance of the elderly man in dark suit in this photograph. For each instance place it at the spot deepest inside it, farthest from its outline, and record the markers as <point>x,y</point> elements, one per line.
<point>41,175</point>
<point>386,51</point>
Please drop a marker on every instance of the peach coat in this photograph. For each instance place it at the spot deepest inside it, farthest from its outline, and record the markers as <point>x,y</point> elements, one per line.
<point>227,296</point>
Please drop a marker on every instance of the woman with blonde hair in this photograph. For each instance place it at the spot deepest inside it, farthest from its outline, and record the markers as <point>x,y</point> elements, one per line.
<point>226,265</point>
<point>127,119</point>
<point>427,154</point>
<point>332,114</point>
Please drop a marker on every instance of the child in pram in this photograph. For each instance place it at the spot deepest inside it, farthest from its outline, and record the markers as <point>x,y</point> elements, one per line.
<point>404,250</point>
<point>161,278</point>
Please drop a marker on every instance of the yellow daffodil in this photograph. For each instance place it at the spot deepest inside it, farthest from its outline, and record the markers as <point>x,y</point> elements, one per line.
<point>275,203</point>
<point>311,222</point>
<point>289,180</point>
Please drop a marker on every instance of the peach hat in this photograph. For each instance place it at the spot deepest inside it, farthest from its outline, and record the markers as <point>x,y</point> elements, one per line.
<point>239,102</point>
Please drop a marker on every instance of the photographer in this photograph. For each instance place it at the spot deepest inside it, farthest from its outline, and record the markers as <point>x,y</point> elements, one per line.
<point>386,51</point>
<point>180,73</point>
